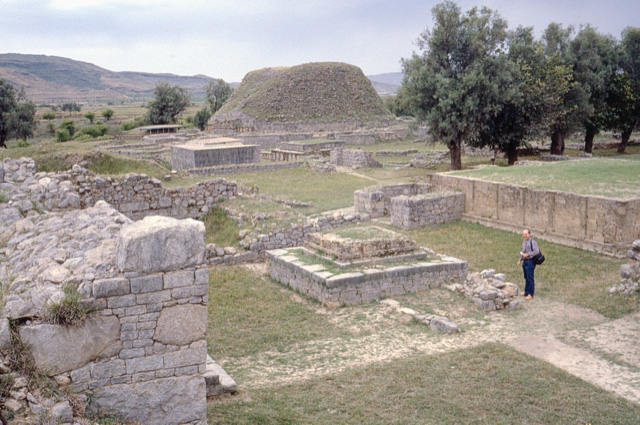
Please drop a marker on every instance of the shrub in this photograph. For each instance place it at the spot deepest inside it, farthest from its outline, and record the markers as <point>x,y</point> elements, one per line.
<point>93,131</point>
<point>62,135</point>
<point>68,125</point>
<point>51,127</point>
<point>22,143</point>
<point>71,310</point>
<point>48,116</point>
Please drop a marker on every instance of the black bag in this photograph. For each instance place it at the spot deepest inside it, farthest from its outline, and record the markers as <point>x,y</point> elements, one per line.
<point>537,259</point>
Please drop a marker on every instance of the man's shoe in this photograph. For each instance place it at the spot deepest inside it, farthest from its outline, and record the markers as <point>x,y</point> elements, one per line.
<point>528,297</point>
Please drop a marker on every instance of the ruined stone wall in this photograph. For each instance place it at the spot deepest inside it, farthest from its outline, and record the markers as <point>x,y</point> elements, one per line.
<point>358,139</point>
<point>353,158</point>
<point>135,195</point>
<point>245,168</point>
<point>377,201</point>
<point>410,212</point>
<point>595,223</point>
<point>311,146</point>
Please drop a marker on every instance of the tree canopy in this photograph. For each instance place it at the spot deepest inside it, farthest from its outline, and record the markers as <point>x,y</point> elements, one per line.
<point>218,91</point>
<point>17,114</point>
<point>168,103</point>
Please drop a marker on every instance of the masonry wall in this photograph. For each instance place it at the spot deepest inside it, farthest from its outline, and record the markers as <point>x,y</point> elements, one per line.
<point>377,201</point>
<point>353,158</point>
<point>410,212</point>
<point>311,146</point>
<point>184,158</point>
<point>594,223</point>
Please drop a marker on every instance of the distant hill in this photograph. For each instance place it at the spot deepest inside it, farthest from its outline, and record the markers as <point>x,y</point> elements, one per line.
<point>56,79</point>
<point>324,91</point>
<point>388,83</point>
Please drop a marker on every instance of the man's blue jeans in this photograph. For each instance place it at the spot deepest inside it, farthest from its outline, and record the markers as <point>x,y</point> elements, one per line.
<point>528,266</point>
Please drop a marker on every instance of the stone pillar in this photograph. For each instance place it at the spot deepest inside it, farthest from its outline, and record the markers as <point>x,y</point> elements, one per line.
<point>160,300</point>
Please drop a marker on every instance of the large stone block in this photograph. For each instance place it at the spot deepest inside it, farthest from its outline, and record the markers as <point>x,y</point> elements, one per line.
<point>57,349</point>
<point>169,401</point>
<point>181,324</point>
<point>158,244</point>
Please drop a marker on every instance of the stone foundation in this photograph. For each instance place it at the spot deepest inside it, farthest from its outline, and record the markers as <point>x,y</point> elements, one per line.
<point>211,152</point>
<point>410,212</point>
<point>353,158</point>
<point>361,286</point>
<point>377,201</point>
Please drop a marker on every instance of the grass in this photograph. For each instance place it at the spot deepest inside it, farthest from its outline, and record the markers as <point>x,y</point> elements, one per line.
<point>603,177</point>
<point>327,191</point>
<point>569,274</point>
<point>220,229</point>
<point>110,164</point>
<point>489,384</point>
<point>250,314</point>
<point>70,311</point>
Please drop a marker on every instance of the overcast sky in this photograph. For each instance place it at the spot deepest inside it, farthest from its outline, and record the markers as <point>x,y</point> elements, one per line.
<point>228,38</point>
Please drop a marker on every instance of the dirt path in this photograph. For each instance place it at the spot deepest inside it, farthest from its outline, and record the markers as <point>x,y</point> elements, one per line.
<point>575,339</point>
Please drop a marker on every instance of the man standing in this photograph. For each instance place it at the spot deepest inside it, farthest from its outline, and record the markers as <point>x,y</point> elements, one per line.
<point>529,250</point>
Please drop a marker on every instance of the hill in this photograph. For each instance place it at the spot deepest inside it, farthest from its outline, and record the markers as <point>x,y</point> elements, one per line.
<point>57,79</point>
<point>388,83</point>
<point>325,91</point>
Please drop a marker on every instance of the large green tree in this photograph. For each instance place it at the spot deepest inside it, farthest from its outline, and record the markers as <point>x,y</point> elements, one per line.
<point>595,62</point>
<point>576,106</point>
<point>17,114</point>
<point>455,83</point>
<point>218,91</point>
<point>624,98</point>
<point>531,91</point>
<point>168,103</point>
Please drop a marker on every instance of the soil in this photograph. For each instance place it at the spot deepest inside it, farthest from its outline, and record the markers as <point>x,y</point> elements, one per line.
<point>578,340</point>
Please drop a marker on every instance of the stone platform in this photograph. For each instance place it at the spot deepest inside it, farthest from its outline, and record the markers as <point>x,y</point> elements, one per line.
<point>211,152</point>
<point>341,270</point>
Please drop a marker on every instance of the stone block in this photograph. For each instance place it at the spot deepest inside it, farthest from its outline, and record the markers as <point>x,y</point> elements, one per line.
<point>181,324</point>
<point>190,357</point>
<point>154,297</point>
<point>144,284</point>
<point>111,287</point>
<point>108,369</point>
<point>168,401</point>
<point>5,334</point>
<point>160,244</point>
<point>57,349</point>
<point>144,364</point>
<point>178,279</point>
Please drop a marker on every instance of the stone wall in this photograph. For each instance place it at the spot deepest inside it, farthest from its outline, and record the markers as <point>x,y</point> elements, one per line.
<point>595,223</point>
<point>311,146</point>
<point>245,168</point>
<point>410,212</point>
<point>377,201</point>
<point>185,156</point>
<point>358,139</point>
<point>353,158</point>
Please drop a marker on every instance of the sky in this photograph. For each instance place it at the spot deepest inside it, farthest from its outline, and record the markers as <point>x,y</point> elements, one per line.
<point>228,38</point>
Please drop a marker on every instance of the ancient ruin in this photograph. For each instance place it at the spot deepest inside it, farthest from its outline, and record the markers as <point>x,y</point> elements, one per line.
<point>361,264</point>
<point>210,152</point>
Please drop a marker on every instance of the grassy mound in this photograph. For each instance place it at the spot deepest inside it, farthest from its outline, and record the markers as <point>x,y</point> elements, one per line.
<point>328,91</point>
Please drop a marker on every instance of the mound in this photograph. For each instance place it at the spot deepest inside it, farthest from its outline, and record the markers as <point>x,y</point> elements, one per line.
<point>327,91</point>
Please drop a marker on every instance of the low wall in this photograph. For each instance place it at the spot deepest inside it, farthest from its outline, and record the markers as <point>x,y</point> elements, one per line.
<point>410,212</point>
<point>357,139</point>
<point>377,201</point>
<point>246,168</point>
<point>595,223</point>
<point>311,146</point>
<point>353,158</point>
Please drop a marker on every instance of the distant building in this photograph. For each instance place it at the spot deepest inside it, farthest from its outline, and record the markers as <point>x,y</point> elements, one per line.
<point>151,130</point>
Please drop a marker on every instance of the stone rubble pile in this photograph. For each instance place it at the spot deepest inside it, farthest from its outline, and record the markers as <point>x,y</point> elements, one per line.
<point>489,291</point>
<point>439,323</point>
<point>629,272</point>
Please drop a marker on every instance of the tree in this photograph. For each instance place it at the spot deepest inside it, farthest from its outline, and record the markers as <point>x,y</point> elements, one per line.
<point>107,114</point>
<point>71,107</point>
<point>576,106</point>
<point>168,103</point>
<point>90,116</point>
<point>625,92</point>
<point>17,114</point>
<point>454,84</point>
<point>217,93</point>
<point>201,118</point>
<point>532,89</point>
<point>595,61</point>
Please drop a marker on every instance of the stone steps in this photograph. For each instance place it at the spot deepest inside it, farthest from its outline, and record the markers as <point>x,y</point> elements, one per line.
<point>217,380</point>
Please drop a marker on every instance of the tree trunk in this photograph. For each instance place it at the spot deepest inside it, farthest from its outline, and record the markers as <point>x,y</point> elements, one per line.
<point>624,139</point>
<point>512,154</point>
<point>588,140</point>
<point>455,152</point>
<point>557,143</point>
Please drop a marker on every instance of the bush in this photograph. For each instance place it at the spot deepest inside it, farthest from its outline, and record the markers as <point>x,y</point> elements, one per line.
<point>51,127</point>
<point>68,125</point>
<point>93,131</point>
<point>130,125</point>
<point>22,143</point>
<point>62,135</point>
<point>70,310</point>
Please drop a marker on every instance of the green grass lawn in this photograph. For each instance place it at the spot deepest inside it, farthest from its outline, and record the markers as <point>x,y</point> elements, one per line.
<point>489,384</point>
<point>569,274</point>
<point>603,177</point>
